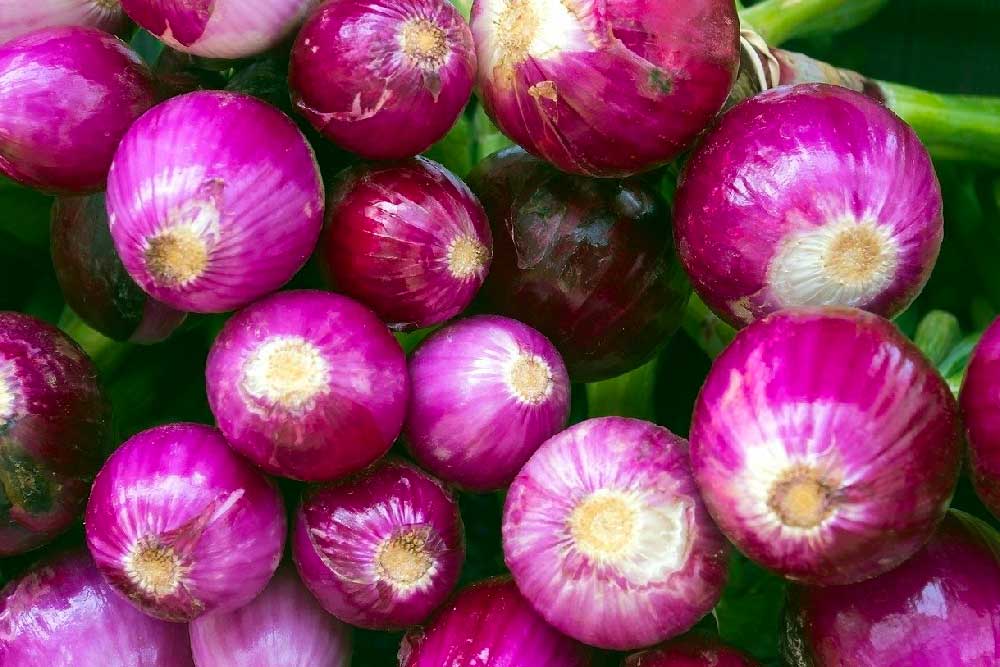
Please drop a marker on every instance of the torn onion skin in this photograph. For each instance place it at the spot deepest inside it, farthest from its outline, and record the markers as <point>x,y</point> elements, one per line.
<point>21,18</point>
<point>608,510</point>
<point>691,651</point>
<point>809,195</point>
<point>825,445</point>
<point>980,401</point>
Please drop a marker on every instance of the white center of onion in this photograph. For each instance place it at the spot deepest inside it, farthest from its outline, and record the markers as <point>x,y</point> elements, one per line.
<point>179,254</point>
<point>8,392</point>
<point>287,371</point>
<point>424,43</point>
<point>153,567</point>
<point>802,497</point>
<point>529,378</point>
<point>404,560</point>
<point>466,257</point>
<point>523,29</point>
<point>108,4</point>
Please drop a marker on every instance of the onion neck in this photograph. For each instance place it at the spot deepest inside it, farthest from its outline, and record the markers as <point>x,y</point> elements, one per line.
<point>705,328</point>
<point>780,20</point>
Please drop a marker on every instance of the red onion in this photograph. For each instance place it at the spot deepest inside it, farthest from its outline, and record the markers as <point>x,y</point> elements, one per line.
<point>691,651</point>
<point>383,78</point>
<point>308,385</point>
<point>63,613</point>
<point>282,626</point>
<point>810,195</point>
<point>605,89</point>
<point>67,95</point>
<point>825,445</point>
<point>608,511</point>
<point>19,17</point>
<point>215,200</point>
<point>490,624</point>
<point>182,526</point>
<point>409,239</point>
<point>980,401</point>
<point>487,392</point>
<point>54,430</point>
<point>380,550</point>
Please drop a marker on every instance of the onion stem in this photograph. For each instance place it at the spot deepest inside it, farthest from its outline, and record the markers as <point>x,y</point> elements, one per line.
<point>628,395</point>
<point>705,328</point>
<point>106,353</point>
<point>937,335</point>
<point>780,20</point>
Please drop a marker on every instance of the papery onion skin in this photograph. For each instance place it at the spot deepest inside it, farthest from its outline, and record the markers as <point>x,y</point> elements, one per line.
<point>811,195</point>
<point>941,608</point>
<point>825,445</point>
<point>980,401</point>
<point>605,89</point>
<point>590,264</point>
<point>214,200</point>
<point>19,18</point>
<point>691,651</point>
<point>487,392</point>
<point>490,624</point>
<point>308,385</point>
<point>182,526</point>
<point>382,549</point>
<point>383,78</point>
<point>67,95</point>
<point>55,425</point>
<point>63,612</point>
<point>409,239</point>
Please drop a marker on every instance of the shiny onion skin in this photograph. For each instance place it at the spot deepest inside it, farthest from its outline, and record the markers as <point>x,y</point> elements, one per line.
<point>691,651</point>
<point>811,195</point>
<point>409,239</point>
<point>214,200</point>
<point>62,612</point>
<point>589,263</point>
<point>55,424</point>
<point>383,78</point>
<point>182,526</point>
<point>941,608</point>
<point>980,401</point>
<point>825,445</point>
<point>490,624</point>
<point>608,511</point>
<point>382,549</point>
<point>19,18</point>
<point>605,88</point>
<point>487,392</point>
<point>67,95</point>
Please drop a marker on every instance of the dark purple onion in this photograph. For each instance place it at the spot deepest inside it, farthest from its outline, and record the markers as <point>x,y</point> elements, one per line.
<point>691,651</point>
<point>980,400</point>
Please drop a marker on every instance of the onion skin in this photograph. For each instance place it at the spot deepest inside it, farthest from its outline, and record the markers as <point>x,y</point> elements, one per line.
<point>490,624</point>
<point>605,89</point>
<point>409,239</point>
<point>487,392</point>
<point>825,445</point>
<point>691,651</point>
<point>383,78</point>
<point>811,195</point>
<point>61,117</point>
<point>941,608</point>
<point>204,218</point>
<point>55,424</point>
<point>182,526</point>
<point>980,402</point>
<point>20,18</point>
<point>590,264</point>
<point>381,550</point>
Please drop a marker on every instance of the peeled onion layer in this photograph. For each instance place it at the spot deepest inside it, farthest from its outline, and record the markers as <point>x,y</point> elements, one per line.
<point>980,401</point>
<point>691,651</point>
<point>20,18</point>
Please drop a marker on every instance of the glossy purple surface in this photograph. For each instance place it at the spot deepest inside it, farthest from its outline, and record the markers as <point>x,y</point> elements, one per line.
<point>19,18</point>
<point>691,651</point>
<point>980,401</point>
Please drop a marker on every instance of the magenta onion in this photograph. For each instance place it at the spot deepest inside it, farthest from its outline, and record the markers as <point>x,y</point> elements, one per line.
<point>941,608</point>
<point>810,195</point>
<point>825,445</point>
<point>19,18</point>
<point>182,526</point>
<point>980,400</point>
<point>308,385</point>
<point>490,624</point>
<point>383,78</point>
<point>608,510</point>
<point>54,430</point>
<point>282,626</point>
<point>382,549</point>
<point>487,392</point>
<point>691,651</point>
<point>215,200</point>
<point>408,239</point>
<point>609,88</point>
<point>63,613</point>
<point>67,95</point>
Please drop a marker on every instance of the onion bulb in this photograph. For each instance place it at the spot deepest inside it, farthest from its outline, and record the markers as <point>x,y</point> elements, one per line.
<point>19,18</point>
<point>980,400</point>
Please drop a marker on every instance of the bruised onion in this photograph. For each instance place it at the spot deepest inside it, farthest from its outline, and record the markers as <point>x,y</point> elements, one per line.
<point>182,526</point>
<point>980,401</point>
<point>825,445</point>
<point>18,17</point>
<point>691,651</point>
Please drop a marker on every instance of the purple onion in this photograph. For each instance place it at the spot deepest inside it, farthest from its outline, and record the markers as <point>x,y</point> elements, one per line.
<point>409,239</point>
<point>21,17</point>
<point>382,549</point>
<point>308,385</point>
<point>825,445</point>
<point>980,401</point>
<point>67,95</point>
<point>487,392</point>
<point>605,89</point>
<point>54,431</point>
<point>182,526</point>
<point>608,511</point>
<point>215,200</point>
<point>383,78</point>
<point>282,626</point>
<point>490,624</point>
<point>810,195</point>
<point>691,651</point>
<point>63,613</point>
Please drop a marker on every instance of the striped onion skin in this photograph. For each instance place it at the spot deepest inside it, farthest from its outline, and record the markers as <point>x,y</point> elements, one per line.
<point>19,18</point>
